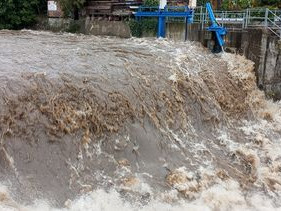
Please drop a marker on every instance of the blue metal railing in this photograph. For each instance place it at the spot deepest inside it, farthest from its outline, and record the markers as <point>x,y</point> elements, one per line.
<point>172,11</point>
<point>248,18</point>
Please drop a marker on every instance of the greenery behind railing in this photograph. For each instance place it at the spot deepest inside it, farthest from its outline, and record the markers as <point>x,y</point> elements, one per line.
<point>243,4</point>
<point>143,26</point>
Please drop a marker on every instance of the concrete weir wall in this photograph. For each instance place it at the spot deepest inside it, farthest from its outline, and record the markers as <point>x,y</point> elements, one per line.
<point>269,68</point>
<point>86,26</point>
<point>108,28</point>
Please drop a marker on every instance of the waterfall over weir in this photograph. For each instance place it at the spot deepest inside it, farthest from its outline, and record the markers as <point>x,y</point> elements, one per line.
<point>99,123</point>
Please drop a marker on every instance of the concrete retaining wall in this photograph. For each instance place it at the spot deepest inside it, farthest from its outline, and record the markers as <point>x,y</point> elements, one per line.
<point>86,26</point>
<point>269,70</point>
<point>108,28</point>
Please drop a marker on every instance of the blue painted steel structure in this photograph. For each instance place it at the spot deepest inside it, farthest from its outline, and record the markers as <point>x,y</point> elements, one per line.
<point>184,12</point>
<point>215,27</point>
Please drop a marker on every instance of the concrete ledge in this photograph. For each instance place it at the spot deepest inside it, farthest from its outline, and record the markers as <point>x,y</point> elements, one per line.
<point>107,28</point>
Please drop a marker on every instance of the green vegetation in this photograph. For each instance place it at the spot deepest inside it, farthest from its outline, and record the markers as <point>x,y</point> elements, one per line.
<point>18,14</point>
<point>202,2</point>
<point>242,4</point>
<point>135,27</point>
<point>145,25</point>
<point>148,26</point>
<point>270,3</point>
<point>71,7</point>
<point>74,27</point>
<point>237,4</point>
<point>151,3</point>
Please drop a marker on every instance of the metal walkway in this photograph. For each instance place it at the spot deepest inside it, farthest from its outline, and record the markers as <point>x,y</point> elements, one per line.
<point>249,18</point>
<point>183,12</point>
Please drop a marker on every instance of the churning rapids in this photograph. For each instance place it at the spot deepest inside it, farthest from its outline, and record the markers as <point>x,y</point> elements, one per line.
<point>96,123</point>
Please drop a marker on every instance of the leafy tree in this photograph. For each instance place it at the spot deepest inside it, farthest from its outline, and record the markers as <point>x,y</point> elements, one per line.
<point>275,3</point>
<point>17,14</point>
<point>151,3</point>
<point>242,4</point>
<point>202,2</point>
<point>237,4</point>
<point>71,7</point>
<point>145,25</point>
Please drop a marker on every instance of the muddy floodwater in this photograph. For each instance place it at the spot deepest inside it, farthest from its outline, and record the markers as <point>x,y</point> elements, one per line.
<point>99,123</point>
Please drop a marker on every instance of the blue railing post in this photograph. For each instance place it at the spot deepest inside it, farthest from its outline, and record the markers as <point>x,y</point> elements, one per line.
<point>161,27</point>
<point>161,14</point>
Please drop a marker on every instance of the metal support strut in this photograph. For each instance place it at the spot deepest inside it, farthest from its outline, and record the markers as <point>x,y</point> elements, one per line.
<point>161,32</point>
<point>219,31</point>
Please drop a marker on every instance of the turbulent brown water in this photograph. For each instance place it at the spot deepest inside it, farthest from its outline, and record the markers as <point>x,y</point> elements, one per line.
<point>96,123</point>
